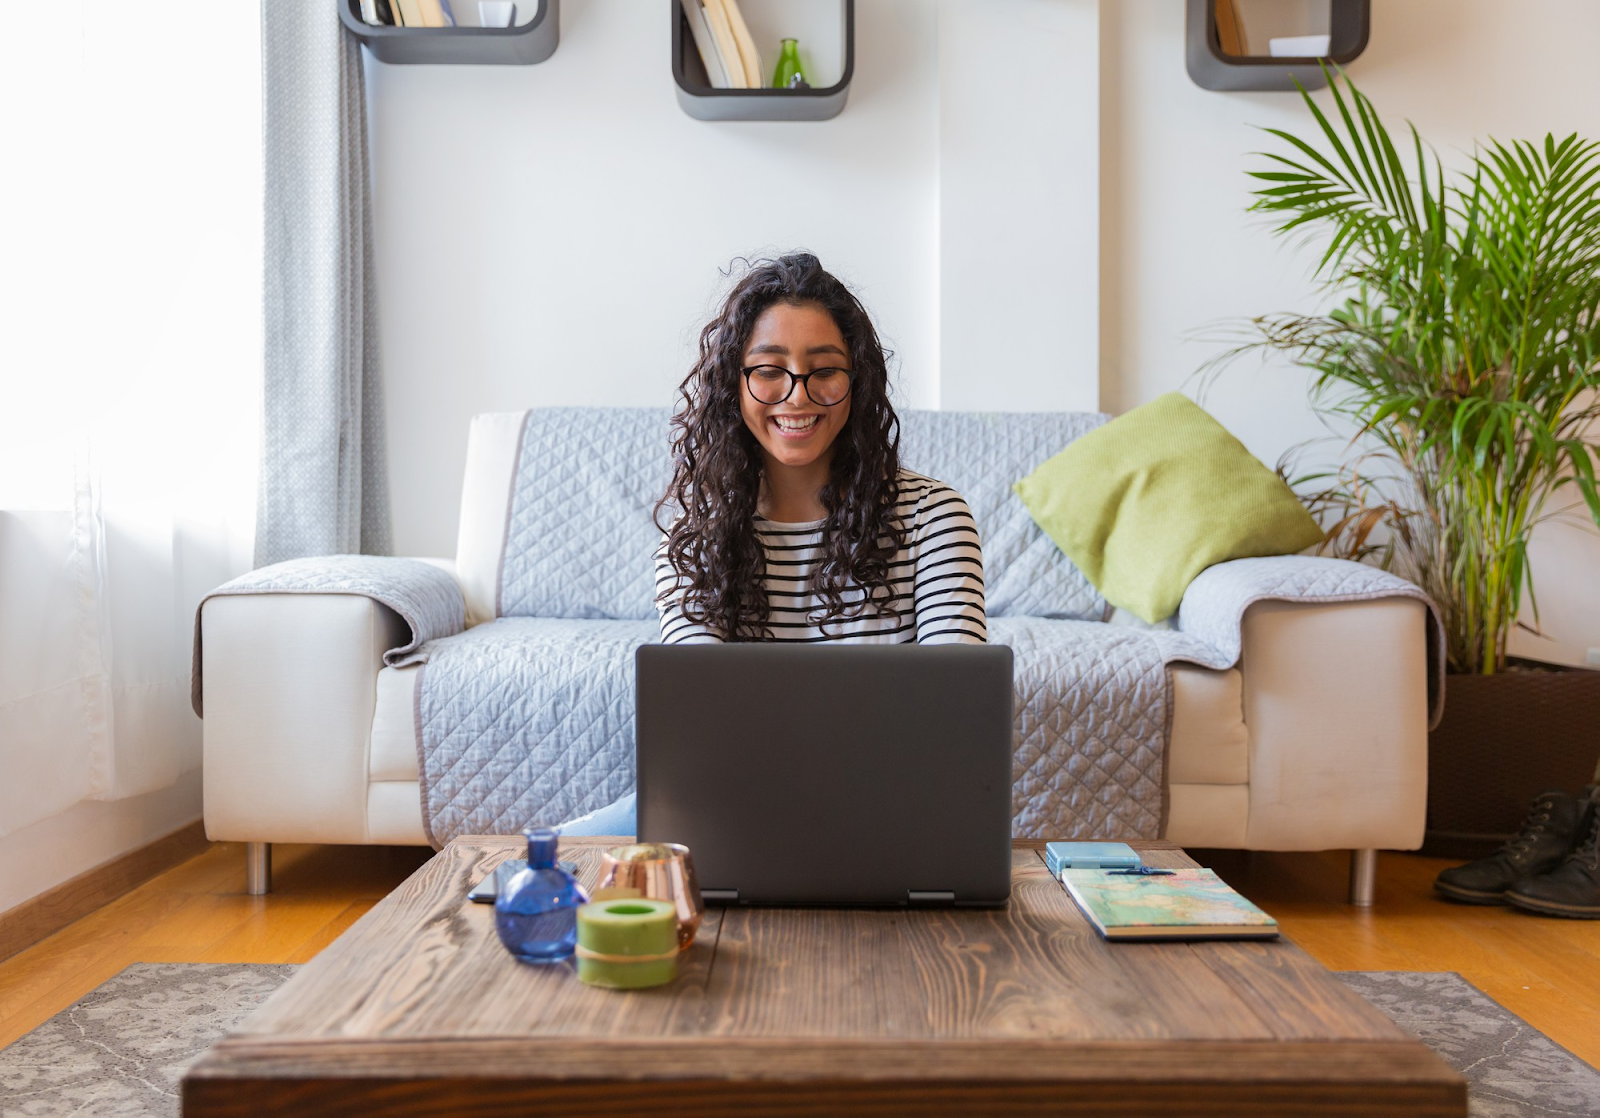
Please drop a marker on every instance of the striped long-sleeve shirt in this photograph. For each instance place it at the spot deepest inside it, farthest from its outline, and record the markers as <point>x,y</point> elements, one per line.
<point>936,579</point>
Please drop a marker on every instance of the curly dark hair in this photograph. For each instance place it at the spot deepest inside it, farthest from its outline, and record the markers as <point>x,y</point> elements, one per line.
<point>717,463</point>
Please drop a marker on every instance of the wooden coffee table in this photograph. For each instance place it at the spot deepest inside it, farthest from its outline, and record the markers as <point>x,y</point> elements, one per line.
<point>418,1010</point>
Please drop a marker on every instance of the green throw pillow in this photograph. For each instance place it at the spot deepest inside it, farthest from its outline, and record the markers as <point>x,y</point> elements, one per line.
<point>1147,502</point>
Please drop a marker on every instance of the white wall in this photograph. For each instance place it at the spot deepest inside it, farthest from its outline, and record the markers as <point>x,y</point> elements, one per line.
<point>39,857</point>
<point>1037,204</point>
<point>1018,194</point>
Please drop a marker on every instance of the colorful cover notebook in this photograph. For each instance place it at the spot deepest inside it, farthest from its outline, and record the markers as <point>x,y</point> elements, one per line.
<point>1187,904</point>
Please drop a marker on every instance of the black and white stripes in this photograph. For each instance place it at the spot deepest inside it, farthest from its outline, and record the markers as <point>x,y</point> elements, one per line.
<point>937,578</point>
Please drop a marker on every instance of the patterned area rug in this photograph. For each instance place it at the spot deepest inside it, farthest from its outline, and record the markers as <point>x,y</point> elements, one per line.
<point>122,1049</point>
<point>1512,1069</point>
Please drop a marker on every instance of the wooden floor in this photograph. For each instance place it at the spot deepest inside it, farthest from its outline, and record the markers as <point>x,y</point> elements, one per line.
<point>1545,970</point>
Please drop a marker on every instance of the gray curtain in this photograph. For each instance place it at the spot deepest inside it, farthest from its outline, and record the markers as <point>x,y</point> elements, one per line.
<point>324,483</point>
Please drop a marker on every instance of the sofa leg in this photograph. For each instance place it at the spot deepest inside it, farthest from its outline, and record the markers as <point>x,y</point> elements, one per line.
<point>258,868</point>
<point>1363,877</point>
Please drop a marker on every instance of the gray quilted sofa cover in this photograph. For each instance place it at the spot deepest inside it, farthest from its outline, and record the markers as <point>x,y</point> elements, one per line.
<point>528,717</point>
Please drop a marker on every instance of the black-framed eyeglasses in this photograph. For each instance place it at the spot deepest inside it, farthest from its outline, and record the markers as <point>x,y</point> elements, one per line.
<point>773,384</point>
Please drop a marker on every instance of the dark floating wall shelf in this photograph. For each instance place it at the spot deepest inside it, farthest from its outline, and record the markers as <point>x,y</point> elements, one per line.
<point>519,45</point>
<point>1348,24</point>
<point>702,101</point>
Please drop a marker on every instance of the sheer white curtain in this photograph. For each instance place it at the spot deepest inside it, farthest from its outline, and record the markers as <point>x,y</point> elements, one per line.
<point>130,358</point>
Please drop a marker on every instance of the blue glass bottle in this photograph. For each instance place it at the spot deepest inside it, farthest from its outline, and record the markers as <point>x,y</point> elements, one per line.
<point>536,913</point>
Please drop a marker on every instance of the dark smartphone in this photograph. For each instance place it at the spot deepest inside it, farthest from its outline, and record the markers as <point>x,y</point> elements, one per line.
<point>485,891</point>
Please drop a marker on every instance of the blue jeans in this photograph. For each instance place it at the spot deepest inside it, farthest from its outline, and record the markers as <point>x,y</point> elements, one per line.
<point>614,819</point>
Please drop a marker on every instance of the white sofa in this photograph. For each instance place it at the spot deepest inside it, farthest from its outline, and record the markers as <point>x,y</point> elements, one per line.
<point>1316,740</point>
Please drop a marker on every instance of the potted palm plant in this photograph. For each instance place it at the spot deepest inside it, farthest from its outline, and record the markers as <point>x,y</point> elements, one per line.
<point>1462,352</point>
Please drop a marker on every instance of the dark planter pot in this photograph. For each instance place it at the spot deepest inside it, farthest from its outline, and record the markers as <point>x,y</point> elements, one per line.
<point>1503,740</point>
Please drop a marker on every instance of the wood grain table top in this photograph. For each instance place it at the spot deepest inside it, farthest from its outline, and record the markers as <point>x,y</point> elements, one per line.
<point>811,1011</point>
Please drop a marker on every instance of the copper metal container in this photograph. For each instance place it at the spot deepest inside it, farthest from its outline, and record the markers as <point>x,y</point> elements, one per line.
<point>661,871</point>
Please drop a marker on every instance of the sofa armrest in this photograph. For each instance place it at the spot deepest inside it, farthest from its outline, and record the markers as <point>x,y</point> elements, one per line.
<point>424,594</point>
<point>1210,623</point>
<point>286,661</point>
<point>290,684</point>
<point>1336,706</point>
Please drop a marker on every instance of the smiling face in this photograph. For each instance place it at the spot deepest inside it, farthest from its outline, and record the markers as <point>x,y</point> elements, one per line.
<point>798,433</point>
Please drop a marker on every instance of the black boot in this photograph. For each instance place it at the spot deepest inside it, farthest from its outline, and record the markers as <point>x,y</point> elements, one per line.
<point>1555,824</point>
<point>1573,887</point>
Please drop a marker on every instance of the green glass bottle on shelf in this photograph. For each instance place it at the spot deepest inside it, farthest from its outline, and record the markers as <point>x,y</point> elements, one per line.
<point>788,73</point>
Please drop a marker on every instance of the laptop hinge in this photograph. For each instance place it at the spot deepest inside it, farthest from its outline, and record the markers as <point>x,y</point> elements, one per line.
<point>929,897</point>
<point>720,896</point>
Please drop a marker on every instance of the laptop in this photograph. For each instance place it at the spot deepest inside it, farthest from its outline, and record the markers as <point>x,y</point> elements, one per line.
<point>830,775</point>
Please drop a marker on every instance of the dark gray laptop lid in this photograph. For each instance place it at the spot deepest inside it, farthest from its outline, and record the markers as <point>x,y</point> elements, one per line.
<point>832,775</point>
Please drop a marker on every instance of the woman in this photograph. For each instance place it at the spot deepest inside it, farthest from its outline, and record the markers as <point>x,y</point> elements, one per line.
<point>794,519</point>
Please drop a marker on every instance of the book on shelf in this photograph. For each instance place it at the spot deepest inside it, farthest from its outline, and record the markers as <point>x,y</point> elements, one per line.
<point>1230,30</point>
<point>379,13</point>
<point>1298,46</point>
<point>700,30</point>
<point>424,13</point>
<point>748,55</point>
<point>436,13</point>
<point>1185,904</point>
<point>430,13</point>
<point>727,45</point>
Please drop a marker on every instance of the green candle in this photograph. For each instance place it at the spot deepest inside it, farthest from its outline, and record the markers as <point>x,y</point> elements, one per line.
<point>627,943</point>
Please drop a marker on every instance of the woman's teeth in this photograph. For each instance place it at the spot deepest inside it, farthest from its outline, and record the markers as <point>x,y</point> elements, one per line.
<point>795,423</point>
